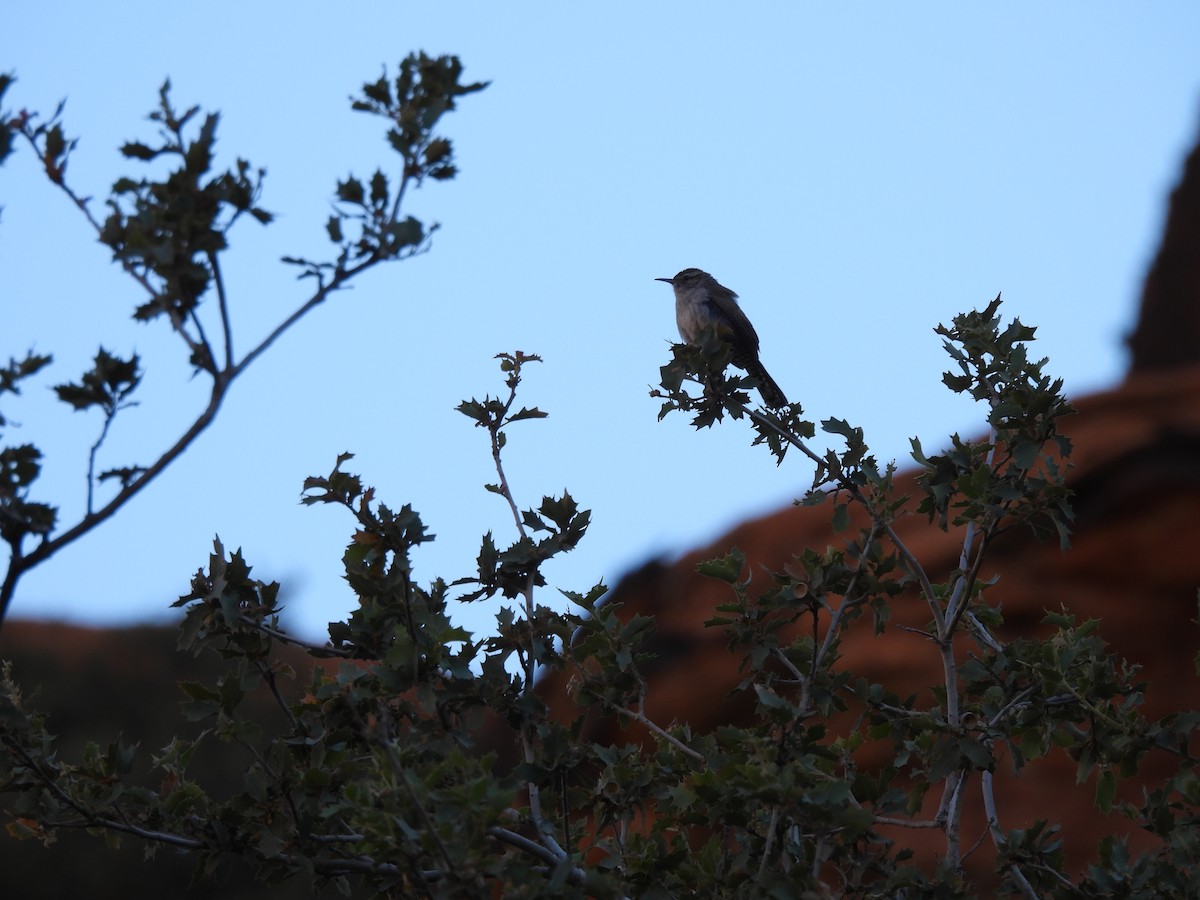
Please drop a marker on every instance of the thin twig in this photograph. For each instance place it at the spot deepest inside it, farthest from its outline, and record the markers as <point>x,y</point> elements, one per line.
<point>909,823</point>
<point>505,490</point>
<point>1017,701</point>
<point>20,564</point>
<point>202,352</point>
<point>317,649</point>
<point>268,675</point>
<point>91,473</point>
<point>528,662</point>
<point>398,767</point>
<point>848,600</point>
<point>982,634</point>
<point>844,483</point>
<point>642,719</point>
<point>223,306</point>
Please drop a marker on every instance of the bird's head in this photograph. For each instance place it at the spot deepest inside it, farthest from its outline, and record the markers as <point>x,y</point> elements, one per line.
<point>688,278</point>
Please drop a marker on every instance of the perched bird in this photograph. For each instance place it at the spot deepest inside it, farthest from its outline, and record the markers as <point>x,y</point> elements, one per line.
<point>701,303</point>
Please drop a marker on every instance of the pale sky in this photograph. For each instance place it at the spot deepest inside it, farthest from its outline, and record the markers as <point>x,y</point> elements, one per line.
<point>857,175</point>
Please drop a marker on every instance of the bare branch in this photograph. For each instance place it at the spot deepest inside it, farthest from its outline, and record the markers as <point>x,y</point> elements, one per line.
<point>214,263</point>
<point>998,838</point>
<point>642,719</point>
<point>20,564</point>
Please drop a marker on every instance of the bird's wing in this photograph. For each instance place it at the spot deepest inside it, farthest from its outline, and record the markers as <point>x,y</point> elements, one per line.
<point>726,303</point>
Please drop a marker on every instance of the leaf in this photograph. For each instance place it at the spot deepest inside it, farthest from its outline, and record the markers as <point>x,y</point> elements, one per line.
<point>125,474</point>
<point>107,385</point>
<point>841,517</point>
<point>1106,790</point>
<point>728,568</point>
<point>136,150</point>
<point>524,413</point>
<point>350,191</point>
<point>379,91</point>
<point>408,233</point>
<point>379,189</point>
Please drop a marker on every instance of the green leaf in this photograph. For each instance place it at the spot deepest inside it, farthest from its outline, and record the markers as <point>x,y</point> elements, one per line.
<point>841,517</point>
<point>1106,790</point>
<point>728,568</point>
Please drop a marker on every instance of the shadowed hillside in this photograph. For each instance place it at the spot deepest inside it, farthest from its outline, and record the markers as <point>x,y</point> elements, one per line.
<point>99,685</point>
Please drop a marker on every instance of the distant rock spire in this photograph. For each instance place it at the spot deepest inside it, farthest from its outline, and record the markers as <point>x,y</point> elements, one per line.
<point>1167,334</point>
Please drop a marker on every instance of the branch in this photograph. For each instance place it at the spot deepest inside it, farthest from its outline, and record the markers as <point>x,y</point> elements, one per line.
<point>91,472</point>
<point>317,649</point>
<point>81,204</point>
<point>769,843</point>
<point>910,823</point>
<point>982,634</point>
<point>856,493</point>
<point>660,731</point>
<point>91,819</point>
<point>398,767</point>
<point>998,838</point>
<point>919,572</point>
<point>1016,702</point>
<point>202,353</point>
<point>269,676</point>
<point>772,423</point>
<point>161,837</point>
<point>336,283</point>
<point>801,679</point>
<point>494,431</point>
<point>19,565</point>
<point>223,305</point>
<point>222,380</point>
<point>835,618</point>
<point>575,875</point>
<point>527,660</point>
<point>961,593</point>
<point>951,808</point>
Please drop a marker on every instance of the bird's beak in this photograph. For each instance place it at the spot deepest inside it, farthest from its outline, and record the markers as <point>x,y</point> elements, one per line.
<point>667,280</point>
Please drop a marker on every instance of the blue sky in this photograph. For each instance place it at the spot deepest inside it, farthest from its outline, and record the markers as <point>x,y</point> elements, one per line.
<point>856,174</point>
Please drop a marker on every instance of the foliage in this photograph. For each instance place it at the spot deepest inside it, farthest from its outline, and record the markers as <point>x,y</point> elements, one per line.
<point>394,772</point>
<point>168,233</point>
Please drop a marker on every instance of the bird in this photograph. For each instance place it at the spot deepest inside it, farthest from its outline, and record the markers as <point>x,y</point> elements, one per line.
<point>703,303</point>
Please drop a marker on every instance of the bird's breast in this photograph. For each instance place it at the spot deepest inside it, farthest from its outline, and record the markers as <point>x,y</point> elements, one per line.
<point>693,314</point>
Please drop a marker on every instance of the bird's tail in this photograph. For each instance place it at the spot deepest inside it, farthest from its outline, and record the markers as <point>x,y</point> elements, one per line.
<point>772,395</point>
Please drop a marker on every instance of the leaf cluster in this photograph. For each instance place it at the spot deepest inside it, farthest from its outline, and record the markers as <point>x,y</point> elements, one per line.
<point>20,465</point>
<point>417,758</point>
<point>424,89</point>
<point>1016,476</point>
<point>380,778</point>
<point>168,229</point>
